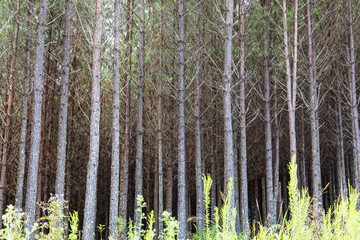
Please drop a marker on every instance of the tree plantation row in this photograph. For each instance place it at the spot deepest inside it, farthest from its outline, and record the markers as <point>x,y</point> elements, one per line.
<point>104,101</point>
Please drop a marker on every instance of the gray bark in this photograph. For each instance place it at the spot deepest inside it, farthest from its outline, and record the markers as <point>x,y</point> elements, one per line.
<point>341,175</point>
<point>181,119</point>
<point>271,204</point>
<point>24,116</point>
<point>353,100</point>
<point>213,166</point>
<point>198,165</point>
<point>243,154</point>
<point>44,113</point>
<point>228,133</point>
<point>236,128</point>
<point>291,80</point>
<point>139,139</point>
<point>277,147</point>
<point>302,144</point>
<point>115,168</point>
<point>124,171</point>
<point>315,140</point>
<point>169,175</point>
<point>160,197</point>
<point>61,145</point>
<point>30,205</point>
<point>91,180</point>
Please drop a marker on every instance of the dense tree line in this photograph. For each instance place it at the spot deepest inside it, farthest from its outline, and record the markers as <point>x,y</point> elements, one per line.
<point>105,100</point>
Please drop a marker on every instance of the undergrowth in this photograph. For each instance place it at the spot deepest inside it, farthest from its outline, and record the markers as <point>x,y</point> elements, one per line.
<point>342,220</point>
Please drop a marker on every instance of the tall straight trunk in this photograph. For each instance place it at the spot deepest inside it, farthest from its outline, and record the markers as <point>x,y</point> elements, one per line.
<point>181,119</point>
<point>160,196</point>
<point>353,100</point>
<point>64,96</point>
<point>69,155</point>
<point>291,80</point>
<point>169,175</point>
<point>44,114</point>
<point>24,116</point>
<point>353,160</point>
<point>302,147</point>
<point>115,168</point>
<point>42,136</point>
<point>213,158</point>
<point>139,137</point>
<point>124,171</point>
<point>198,165</point>
<point>235,120</point>
<point>271,204</point>
<point>229,171</point>
<point>38,87</point>
<point>277,146</point>
<point>315,140</point>
<point>243,155</point>
<point>263,199</point>
<point>280,207</point>
<point>91,180</point>
<point>8,114</point>
<point>341,175</point>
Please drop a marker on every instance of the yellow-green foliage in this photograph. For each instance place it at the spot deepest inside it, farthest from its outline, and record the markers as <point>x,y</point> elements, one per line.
<point>150,232</point>
<point>342,221</point>
<point>207,189</point>
<point>13,221</point>
<point>171,229</point>
<point>48,227</point>
<point>73,222</point>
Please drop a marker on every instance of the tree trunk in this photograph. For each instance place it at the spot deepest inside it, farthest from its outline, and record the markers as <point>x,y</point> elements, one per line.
<point>115,168</point>
<point>69,156</point>
<point>8,116</point>
<point>181,118</point>
<point>302,144</point>
<point>280,205</point>
<point>42,137</point>
<point>291,81</point>
<point>271,204</point>
<point>24,116</point>
<point>36,119</point>
<point>213,161</point>
<point>315,140</point>
<point>341,175</point>
<point>139,137</point>
<point>229,172</point>
<point>354,101</point>
<point>243,155</point>
<point>124,171</point>
<point>198,165</point>
<point>160,196</point>
<point>277,147</point>
<point>236,128</point>
<point>169,175</point>
<point>91,180</point>
<point>64,96</point>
